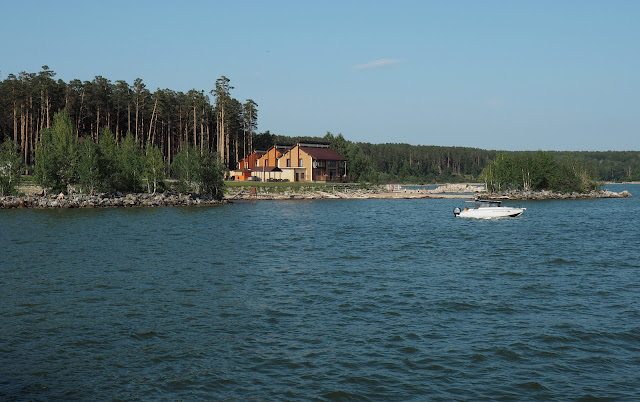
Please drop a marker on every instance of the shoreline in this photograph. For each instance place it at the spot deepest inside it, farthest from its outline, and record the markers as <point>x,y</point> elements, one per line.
<point>170,199</point>
<point>546,195</point>
<point>106,201</point>
<point>529,196</point>
<point>178,200</point>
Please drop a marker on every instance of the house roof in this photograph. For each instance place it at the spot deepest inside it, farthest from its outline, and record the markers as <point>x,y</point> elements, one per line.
<point>323,154</point>
<point>255,153</point>
<point>314,144</point>
<point>266,169</point>
<point>281,148</point>
<point>252,156</point>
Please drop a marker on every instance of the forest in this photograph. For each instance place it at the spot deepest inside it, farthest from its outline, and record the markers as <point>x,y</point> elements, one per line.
<point>164,118</point>
<point>167,122</point>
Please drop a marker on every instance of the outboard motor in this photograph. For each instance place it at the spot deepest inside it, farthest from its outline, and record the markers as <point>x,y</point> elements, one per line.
<point>456,211</point>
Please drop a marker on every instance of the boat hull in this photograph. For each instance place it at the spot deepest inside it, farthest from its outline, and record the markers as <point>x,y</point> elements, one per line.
<point>487,213</point>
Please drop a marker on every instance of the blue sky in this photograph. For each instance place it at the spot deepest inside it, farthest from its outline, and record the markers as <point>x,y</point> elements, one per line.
<point>512,75</point>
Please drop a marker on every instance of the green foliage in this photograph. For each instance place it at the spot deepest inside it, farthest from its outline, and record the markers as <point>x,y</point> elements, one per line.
<point>57,155</point>
<point>199,173</point>
<point>211,174</point>
<point>263,141</point>
<point>10,167</point>
<point>98,103</point>
<point>130,165</point>
<point>609,165</point>
<point>109,160</point>
<point>337,143</point>
<point>420,164</point>
<point>359,165</point>
<point>90,176</point>
<point>122,166</point>
<point>185,168</point>
<point>537,171</point>
<point>153,167</point>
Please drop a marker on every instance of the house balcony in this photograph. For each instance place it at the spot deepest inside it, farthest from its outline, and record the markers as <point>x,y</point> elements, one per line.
<point>325,178</point>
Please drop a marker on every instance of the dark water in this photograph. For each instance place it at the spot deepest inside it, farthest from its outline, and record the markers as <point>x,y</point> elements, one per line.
<point>323,300</point>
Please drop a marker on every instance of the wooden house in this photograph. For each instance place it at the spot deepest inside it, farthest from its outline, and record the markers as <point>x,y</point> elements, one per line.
<point>270,158</point>
<point>313,161</point>
<point>245,166</point>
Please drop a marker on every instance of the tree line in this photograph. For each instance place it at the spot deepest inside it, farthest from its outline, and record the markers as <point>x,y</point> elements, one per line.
<point>64,163</point>
<point>164,123</point>
<point>406,163</point>
<point>539,170</point>
<point>167,119</point>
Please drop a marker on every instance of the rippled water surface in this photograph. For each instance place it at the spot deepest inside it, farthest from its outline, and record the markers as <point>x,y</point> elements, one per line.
<point>324,300</point>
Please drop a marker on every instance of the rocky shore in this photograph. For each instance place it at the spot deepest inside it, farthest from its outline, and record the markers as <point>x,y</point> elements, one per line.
<point>550,195</point>
<point>353,192</point>
<point>245,194</point>
<point>106,200</point>
<point>373,194</point>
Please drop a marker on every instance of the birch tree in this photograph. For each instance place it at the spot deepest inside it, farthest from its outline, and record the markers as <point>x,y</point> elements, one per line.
<point>10,167</point>
<point>56,157</point>
<point>154,167</point>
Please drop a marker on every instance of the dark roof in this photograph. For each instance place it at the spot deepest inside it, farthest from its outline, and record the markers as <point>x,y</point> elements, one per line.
<point>323,154</point>
<point>315,144</point>
<point>257,153</point>
<point>266,169</point>
<point>282,148</point>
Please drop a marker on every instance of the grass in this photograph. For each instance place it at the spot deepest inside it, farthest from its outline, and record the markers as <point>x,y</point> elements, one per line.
<point>282,187</point>
<point>28,183</point>
<point>27,180</point>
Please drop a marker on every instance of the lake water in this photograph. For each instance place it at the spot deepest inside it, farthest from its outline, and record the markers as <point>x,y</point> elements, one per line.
<point>323,300</point>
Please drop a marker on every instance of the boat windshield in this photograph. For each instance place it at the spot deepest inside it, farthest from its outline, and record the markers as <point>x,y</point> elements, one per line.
<point>487,204</point>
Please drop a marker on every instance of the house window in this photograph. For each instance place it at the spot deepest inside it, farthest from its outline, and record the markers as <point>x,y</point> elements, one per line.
<point>288,162</point>
<point>246,165</point>
<point>332,164</point>
<point>300,162</point>
<point>257,162</point>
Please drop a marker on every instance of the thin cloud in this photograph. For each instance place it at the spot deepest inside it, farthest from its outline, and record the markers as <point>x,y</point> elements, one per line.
<point>494,102</point>
<point>382,63</point>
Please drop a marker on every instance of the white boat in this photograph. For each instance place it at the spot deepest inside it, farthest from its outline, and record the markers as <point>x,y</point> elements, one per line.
<point>487,209</point>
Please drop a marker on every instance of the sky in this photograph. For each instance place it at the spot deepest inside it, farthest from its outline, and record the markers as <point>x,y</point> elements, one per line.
<point>494,74</point>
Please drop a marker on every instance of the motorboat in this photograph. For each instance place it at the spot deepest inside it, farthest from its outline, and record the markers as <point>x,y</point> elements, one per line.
<point>487,209</point>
